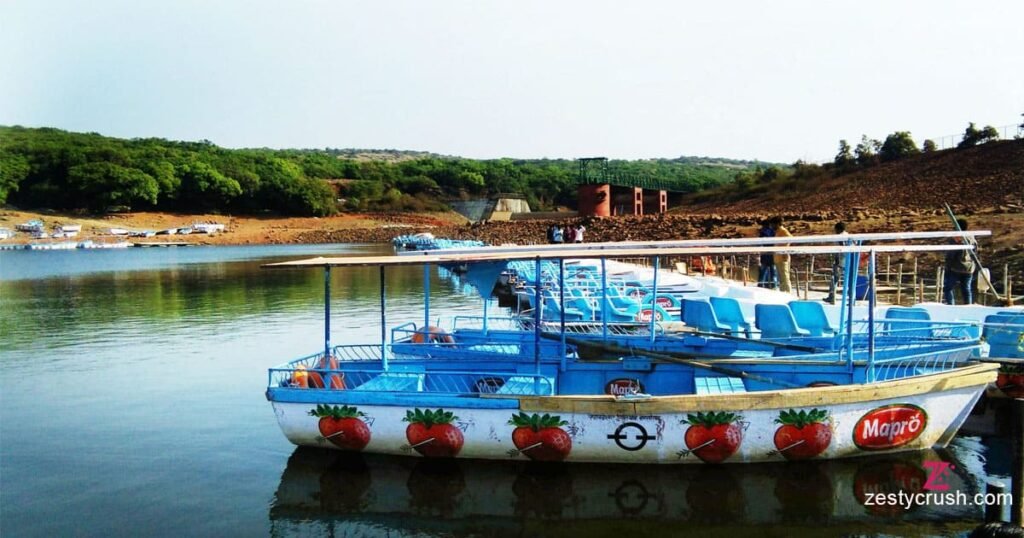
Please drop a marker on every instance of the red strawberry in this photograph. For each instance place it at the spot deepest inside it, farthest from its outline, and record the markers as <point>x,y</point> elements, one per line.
<point>540,437</point>
<point>342,426</point>
<point>432,434</point>
<point>713,436</point>
<point>803,435</point>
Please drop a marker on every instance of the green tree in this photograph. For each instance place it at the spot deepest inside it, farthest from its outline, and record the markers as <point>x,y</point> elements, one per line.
<point>867,151</point>
<point>103,184</point>
<point>897,146</point>
<point>928,146</point>
<point>974,136</point>
<point>203,187</point>
<point>13,169</point>
<point>844,157</point>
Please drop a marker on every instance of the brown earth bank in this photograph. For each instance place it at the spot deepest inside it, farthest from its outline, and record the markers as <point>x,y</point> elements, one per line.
<point>1004,247</point>
<point>975,179</point>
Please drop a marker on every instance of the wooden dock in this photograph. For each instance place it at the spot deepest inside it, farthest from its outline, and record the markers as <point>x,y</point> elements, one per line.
<point>152,244</point>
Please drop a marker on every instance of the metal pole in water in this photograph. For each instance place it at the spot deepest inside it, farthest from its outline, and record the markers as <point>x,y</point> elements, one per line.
<point>994,511</point>
<point>327,311</point>
<point>383,324</point>
<point>1017,511</point>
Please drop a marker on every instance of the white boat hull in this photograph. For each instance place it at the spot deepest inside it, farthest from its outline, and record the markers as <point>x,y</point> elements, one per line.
<point>908,414</point>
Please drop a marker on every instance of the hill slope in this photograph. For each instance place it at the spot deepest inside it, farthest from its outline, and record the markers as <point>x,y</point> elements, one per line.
<point>971,179</point>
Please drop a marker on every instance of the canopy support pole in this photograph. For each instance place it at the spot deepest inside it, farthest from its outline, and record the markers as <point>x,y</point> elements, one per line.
<point>654,296</point>
<point>327,311</point>
<point>426,299</point>
<point>538,308</point>
<point>871,318</point>
<point>604,300</point>
<point>383,323</point>
<point>561,307</point>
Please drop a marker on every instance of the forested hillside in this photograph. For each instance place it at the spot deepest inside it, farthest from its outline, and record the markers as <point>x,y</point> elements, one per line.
<point>51,168</point>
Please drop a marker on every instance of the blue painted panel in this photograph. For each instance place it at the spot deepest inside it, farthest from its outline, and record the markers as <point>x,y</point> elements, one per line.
<point>349,397</point>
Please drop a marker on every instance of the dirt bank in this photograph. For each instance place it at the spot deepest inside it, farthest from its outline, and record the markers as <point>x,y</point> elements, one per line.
<point>1005,246</point>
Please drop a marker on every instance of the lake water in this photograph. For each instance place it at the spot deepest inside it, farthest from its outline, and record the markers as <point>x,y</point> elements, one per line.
<point>132,403</point>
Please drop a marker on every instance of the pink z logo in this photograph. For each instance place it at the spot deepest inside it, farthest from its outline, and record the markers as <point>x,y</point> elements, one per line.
<point>937,474</point>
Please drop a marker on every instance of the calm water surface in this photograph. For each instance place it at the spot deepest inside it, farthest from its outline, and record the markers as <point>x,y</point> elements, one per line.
<point>131,403</point>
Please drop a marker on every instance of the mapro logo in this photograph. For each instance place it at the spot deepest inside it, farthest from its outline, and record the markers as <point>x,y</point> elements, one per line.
<point>889,427</point>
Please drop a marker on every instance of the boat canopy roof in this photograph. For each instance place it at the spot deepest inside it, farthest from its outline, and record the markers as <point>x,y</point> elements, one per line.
<point>819,244</point>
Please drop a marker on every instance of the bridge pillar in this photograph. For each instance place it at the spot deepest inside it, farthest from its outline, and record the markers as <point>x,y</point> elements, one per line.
<point>595,200</point>
<point>655,201</point>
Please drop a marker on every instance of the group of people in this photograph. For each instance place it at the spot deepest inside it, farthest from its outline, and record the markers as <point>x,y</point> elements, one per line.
<point>959,265</point>
<point>569,234</point>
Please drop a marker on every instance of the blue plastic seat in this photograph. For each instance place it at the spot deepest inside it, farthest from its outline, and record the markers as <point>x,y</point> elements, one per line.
<point>522,385</point>
<point>718,385</point>
<point>701,316</point>
<point>553,311</point>
<point>1004,340</point>
<point>810,315</point>
<point>728,312</point>
<point>777,321</point>
<point>394,382</point>
<point>913,327</point>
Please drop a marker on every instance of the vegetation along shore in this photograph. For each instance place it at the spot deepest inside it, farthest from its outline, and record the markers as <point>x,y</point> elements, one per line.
<point>323,196</point>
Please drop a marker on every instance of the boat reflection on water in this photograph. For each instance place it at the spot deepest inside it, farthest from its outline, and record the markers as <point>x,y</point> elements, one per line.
<point>337,493</point>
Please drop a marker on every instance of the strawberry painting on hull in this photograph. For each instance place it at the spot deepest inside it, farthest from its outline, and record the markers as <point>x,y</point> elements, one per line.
<point>803,435</point>
<point>540,437</point>
<point>713,436</point>
<point>343,426</point>
<point>432,433</point>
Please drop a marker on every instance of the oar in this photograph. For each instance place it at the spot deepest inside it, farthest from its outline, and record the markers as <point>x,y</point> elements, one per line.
<point>783,345</point>
<point>678,358</point>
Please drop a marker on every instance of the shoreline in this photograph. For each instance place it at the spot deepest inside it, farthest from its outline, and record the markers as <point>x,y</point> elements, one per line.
<point>1005,247</point>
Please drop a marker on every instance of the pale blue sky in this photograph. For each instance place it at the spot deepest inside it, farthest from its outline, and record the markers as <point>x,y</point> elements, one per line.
<point>775,81</point>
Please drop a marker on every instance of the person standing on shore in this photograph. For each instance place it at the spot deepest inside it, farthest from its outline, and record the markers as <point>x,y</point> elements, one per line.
<point>838,264</point>
<point>959,273</point>
<point>578,233</point>
<point>556,234</point>
<point>782,260</point>
<point>766,276</point>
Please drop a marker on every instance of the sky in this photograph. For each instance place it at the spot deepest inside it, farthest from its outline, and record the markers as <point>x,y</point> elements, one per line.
<point>772,81</point>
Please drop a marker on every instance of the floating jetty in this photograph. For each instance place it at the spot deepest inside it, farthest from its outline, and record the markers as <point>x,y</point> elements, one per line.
<point>165,244</point>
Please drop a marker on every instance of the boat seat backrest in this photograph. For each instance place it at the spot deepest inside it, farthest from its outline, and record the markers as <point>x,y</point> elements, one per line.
<point>913,328</point>
<point>729,312</point>
<point>777,321</point>
<point>701,316</point>
<point>542,386</point>
<point>810,315</point>
<point>1003,332</point>
<point>394,382</point>
<point>718,385</point>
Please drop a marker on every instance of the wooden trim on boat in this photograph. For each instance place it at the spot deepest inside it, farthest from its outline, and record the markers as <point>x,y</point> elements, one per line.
<point>969,376</point>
